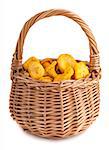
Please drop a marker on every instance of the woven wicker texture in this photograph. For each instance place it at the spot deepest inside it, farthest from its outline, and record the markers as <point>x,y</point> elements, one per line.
<point>55,110</point>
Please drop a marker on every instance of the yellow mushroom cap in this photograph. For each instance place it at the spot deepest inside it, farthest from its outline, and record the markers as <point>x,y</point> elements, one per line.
<point>66,75</point>
<point>27,63</point>
<point>46,64</point>
<point>51,69</point>
<point>81,70</point>
<point>36,70</point>
<point>65,59</point>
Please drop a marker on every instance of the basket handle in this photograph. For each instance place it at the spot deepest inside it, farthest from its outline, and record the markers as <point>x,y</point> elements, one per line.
<point>94,53</point>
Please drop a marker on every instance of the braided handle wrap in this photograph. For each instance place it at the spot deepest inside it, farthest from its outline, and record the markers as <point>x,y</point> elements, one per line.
<point>94,53</point>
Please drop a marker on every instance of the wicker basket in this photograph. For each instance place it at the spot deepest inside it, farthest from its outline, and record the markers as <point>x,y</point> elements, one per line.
<point>55,110</point>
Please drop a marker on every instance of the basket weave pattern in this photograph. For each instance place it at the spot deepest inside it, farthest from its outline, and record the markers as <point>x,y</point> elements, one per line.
<point>55,110</point>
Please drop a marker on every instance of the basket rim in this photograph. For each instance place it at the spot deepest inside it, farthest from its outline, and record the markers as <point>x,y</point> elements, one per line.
<point>81,83</point>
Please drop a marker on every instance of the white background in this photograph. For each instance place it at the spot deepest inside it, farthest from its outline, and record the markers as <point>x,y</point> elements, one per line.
<point>49,38</point>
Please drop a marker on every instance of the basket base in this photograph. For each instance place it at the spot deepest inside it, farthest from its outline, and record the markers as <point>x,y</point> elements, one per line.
<point>54,137</point>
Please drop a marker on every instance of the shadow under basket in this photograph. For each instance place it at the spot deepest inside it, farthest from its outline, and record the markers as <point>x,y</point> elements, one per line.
<point>55,110</point>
